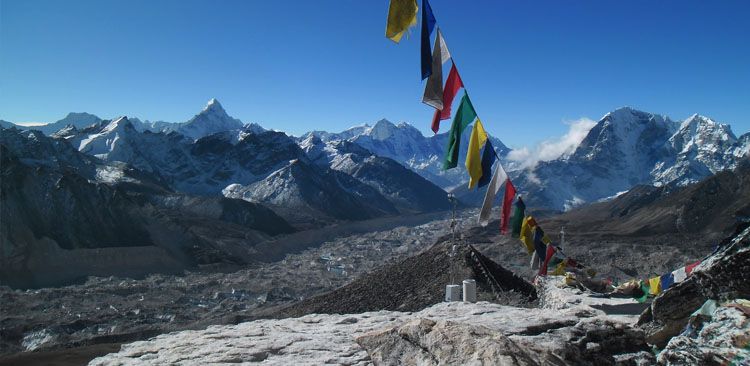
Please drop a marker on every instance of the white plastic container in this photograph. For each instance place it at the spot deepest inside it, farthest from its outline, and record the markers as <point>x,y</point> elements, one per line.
<point>452,293</point>
<point>470,291</point>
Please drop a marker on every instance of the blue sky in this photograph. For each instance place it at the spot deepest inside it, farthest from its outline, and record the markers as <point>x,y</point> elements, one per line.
<point>530,66</point>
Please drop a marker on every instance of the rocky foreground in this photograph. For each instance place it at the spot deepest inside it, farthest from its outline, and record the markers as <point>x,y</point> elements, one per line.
<point>704,320</point>
<point>446,333</point>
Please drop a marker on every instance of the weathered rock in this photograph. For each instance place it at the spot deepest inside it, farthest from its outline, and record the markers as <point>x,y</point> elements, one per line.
<point>427,342</point>
<point>724,275</point>
<point>446,333</point>
<point>722,340</point>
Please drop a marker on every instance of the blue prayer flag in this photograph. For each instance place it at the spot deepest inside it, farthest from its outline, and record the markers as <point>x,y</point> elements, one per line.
<point>428,24</point>
<point>667,280</point>
<point>488,158</point>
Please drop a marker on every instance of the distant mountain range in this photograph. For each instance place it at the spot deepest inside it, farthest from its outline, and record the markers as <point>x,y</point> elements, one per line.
<point>215,154</point>
<point>625,148</point>
<point>406,145</point>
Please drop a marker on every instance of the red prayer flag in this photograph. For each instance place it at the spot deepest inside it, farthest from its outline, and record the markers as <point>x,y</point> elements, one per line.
<point>547,257</point>
<point>452,84</point>
<point>689,267</point>
<point>510,193</point>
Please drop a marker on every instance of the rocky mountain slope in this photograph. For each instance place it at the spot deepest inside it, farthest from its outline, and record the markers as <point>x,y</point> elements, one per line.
<point>406,145</point>
<point>406,189</point>
<point>711,207</point>
<point>628,147</point>
<point>67,215</point>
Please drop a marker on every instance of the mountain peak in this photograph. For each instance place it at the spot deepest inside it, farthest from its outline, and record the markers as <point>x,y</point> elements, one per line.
<point>213,105</point>
<point>382,129</point>
<point>118,123</point>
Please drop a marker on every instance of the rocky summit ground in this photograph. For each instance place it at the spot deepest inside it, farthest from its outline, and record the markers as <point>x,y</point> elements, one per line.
<point>451,333</point>
<point>570,326</point>
<point>397,269</point>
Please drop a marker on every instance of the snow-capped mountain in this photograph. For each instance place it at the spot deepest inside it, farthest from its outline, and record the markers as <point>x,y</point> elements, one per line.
<point>78,120</point>
<point>701,147</point>
<point>212,119</point>
<point>406,145</point>
<point>405,188</point>
<point>249,163</point>
<point>629,147</point>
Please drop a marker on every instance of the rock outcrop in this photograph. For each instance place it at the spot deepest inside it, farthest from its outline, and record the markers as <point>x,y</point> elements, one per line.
<point>723,276</point>
<point>722,339</point>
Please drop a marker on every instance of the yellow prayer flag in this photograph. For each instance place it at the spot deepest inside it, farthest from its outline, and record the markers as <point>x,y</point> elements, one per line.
<point>474,153</point>
<point>560,269</point>
<point>527,233</point>
<point>655,284</point>
<point>402,14</point>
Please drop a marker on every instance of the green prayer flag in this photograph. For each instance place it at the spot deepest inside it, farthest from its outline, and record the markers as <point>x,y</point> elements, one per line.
<point>464,116</point>
<point>517,220</point>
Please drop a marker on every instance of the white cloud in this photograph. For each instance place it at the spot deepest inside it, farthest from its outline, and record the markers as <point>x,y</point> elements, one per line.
<point>30,124</point>
<point>528,158</point>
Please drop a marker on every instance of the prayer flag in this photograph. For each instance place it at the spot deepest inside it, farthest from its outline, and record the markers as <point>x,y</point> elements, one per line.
<point>402,14</point>
<point>655,285</point>
<point>433,90</point>
<point>689,268</point>
<point>489,197</point>
<point>473,162</point>
<point>510,194</point>
<point>539,246</point>
<point>560,269</point>
<point>452,84</point>
<point>666,281</point>
<point>526,235</point>
<point>548,256</point>
<point>464,117</point>
<point>488,158</point>
<point>428,24</point>
<point>518,216</point>
<point>536,262</point>
<point>679,275</point>
<point>645,288</point>
<point>445,55</point>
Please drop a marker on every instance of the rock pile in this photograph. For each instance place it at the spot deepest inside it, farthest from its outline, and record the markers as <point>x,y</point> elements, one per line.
<point>418,282</point>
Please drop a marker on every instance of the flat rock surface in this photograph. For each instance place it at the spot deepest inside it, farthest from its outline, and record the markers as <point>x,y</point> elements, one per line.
<point>320,339</point>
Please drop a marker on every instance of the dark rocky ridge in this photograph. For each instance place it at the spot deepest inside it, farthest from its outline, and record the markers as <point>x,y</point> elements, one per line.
<point>418,282</point>
<point>712,208</point>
